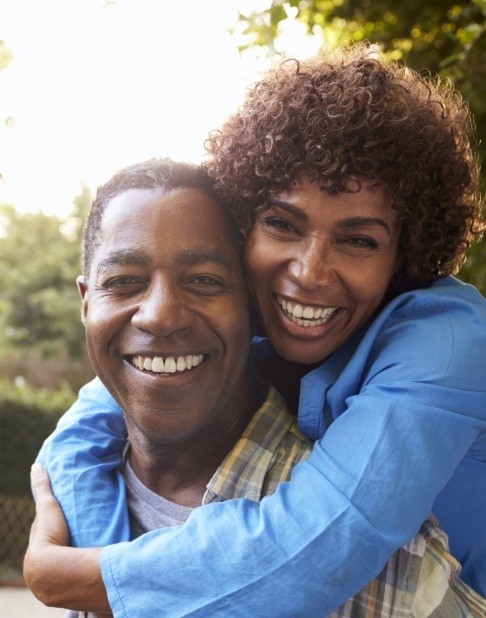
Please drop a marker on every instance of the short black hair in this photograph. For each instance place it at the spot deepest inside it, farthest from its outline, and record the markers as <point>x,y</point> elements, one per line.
<point>163,174</point>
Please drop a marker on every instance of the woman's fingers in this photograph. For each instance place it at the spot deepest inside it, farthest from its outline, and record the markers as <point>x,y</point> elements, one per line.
<point>49,525</point>
<point>39,479</point>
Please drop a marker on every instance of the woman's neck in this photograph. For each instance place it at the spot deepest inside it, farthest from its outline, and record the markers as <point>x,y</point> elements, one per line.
<point>285,376</point>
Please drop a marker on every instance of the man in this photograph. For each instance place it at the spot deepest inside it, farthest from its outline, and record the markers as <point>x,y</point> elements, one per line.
<point>167,320</point>
<point>168,329</point>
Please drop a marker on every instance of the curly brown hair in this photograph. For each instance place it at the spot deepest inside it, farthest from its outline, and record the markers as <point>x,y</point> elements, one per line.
<point>350,115</point>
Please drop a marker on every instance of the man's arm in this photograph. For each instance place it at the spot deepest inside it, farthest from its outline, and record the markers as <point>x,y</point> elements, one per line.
<point>58,575</point>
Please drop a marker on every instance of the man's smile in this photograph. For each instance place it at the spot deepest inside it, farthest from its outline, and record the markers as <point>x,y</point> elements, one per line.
<point>171,364</point>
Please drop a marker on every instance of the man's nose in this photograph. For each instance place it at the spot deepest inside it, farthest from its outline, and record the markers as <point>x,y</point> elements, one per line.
<point>313,264</point>
<point>162,310</point>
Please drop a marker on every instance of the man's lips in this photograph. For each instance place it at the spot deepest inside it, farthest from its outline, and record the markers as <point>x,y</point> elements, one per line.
<point>306,315</point>
<point>168,364</point>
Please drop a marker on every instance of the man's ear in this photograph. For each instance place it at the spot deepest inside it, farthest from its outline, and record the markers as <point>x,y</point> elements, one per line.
<point>83,293</point>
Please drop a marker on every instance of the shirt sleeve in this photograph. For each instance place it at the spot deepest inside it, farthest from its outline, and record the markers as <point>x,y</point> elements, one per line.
<point>83,457</point>
<point>367,486</point>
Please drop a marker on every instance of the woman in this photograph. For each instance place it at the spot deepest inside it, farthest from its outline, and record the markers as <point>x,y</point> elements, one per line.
<point>357,185</point>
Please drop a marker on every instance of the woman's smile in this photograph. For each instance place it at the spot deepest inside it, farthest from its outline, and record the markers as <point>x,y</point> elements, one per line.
<point>306,315</point>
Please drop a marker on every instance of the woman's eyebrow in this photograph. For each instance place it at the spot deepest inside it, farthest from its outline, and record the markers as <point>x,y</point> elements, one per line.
<point>353,222</point>
<point>348,223</point>
<point>290,208</point>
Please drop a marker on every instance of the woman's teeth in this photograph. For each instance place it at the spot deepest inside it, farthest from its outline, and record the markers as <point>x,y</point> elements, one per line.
<point>305,315</point>
<point>171,364</point>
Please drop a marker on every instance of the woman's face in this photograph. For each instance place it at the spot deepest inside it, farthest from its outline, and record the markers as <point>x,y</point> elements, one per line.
<point>319,265</point>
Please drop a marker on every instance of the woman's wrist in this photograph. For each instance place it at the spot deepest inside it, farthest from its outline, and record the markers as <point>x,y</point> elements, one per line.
<point>67,577</point>
<point>57,574</point>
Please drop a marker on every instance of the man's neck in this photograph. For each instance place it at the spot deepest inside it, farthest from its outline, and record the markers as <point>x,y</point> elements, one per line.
<point>180,470</point>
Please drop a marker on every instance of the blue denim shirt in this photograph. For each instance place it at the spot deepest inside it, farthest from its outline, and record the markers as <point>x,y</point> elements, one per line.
<point>399,419</point>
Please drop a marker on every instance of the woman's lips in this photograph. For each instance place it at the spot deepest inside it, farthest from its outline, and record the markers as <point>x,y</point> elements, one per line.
<point>307,316</point>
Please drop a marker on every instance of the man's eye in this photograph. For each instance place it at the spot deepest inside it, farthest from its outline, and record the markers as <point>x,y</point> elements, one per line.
<point>120,282</point>
<point>278,223</point>
<point>207,280</point>
<point>206,285</point>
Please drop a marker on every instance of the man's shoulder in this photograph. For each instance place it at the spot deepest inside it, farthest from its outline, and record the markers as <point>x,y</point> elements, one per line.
<point>274,426</point>
<point>263,457</point>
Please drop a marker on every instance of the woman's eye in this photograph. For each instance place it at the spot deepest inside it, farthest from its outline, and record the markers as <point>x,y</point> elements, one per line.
<point>278,223</point>
<point>363,242</point>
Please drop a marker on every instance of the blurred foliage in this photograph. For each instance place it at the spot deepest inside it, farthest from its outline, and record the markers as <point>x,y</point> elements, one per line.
<point>474,270</point>
<point>5,55</point>
<point>40,260</point>
<point>442,36</point>
<point>27,417</point>
<point>5,60</point>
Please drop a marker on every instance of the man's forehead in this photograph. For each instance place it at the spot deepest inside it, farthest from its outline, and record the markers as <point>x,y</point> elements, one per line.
<point>124,209</point>
<point>182,225</point>
<point>123,206</point>
<point>138,255</point>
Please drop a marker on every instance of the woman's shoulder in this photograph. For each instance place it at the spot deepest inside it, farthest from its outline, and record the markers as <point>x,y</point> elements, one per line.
<point>447,301</point>
<point>441,328</point>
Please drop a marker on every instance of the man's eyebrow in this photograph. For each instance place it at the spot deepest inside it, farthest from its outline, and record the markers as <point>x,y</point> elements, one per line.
<point>192,257</point>
<point>352,222</point>
<point>123,257</point>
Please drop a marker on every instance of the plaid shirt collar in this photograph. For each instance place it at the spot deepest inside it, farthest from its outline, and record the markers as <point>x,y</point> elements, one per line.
<point>243,471</point>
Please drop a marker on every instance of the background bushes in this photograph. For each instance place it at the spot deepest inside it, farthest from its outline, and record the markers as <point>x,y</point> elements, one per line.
<point>27,417</point>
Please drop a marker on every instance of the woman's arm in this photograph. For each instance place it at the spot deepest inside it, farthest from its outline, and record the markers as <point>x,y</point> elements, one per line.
<point>371,480</point>
<point>302,551</point>
<point>367,486</point>
<point>58,575</point>
<point>83,458</point>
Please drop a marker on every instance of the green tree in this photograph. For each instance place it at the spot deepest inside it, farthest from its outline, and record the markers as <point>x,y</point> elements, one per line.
<point>39,261</point>
<point>443,36</point>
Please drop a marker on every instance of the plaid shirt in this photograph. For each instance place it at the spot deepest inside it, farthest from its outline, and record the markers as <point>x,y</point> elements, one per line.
<point>420,580</point>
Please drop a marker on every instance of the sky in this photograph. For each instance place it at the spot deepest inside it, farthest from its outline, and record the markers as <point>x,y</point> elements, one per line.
<point>95,85</point>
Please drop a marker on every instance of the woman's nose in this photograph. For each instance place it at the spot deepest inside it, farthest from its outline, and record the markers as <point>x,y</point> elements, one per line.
<point>313,265</point>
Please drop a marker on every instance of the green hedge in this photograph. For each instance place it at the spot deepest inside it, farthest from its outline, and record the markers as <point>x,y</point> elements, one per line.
<point>27,417</point>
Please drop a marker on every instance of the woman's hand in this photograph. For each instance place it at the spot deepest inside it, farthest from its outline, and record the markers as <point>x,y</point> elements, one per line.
<point>49,527</point>
<point>59,575</point>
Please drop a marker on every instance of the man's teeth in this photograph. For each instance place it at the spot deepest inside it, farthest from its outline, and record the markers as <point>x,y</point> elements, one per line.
<point>305,315</point>
<point>171,364</point>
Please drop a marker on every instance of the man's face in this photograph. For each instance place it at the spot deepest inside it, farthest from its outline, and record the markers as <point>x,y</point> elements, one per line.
<point>166,313</point>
